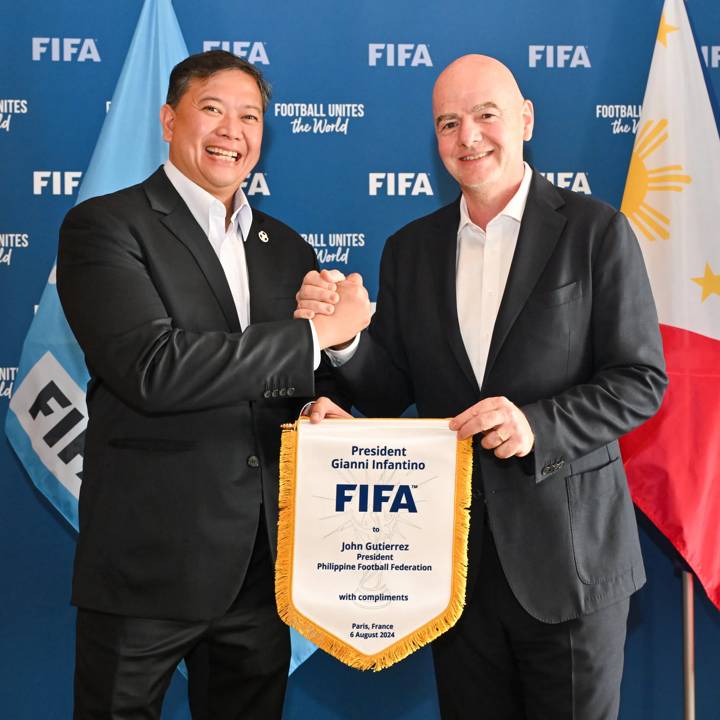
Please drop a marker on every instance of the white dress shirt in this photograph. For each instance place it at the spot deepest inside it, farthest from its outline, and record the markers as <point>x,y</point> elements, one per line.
<point>482,267</point>
<point>228,243</point>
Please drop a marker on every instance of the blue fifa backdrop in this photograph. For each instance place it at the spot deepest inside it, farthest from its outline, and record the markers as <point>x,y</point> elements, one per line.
<point>348,158</point>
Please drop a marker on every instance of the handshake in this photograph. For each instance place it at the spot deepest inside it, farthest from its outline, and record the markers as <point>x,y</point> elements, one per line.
<point>338,306</point>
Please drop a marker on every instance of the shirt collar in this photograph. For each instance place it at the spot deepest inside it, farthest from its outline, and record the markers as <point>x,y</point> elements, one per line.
<point>514,209</point>
<point>203,205</point>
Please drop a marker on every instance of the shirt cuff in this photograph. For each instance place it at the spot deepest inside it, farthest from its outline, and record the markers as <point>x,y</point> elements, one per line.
<point>339,357</point>
<point>316,346</point>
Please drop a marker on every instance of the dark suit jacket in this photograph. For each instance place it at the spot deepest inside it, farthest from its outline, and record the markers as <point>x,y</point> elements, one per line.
<point>184,409</point>
<point>575,345</point>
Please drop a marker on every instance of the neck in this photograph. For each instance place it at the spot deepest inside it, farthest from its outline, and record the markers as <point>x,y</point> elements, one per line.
<point>229,203</point>
<point>486,203</point>
<point>482,209</point>
<point>228,213</point>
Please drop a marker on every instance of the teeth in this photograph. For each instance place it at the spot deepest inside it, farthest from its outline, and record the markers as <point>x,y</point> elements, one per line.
<point>475,157</point>
<point>224,153</point>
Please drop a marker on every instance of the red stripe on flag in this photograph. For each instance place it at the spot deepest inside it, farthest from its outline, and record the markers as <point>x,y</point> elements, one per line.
<point>673,460</point>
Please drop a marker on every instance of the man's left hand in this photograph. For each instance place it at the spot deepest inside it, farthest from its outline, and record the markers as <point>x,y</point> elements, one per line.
<point>504,427</point>
<point>325,408</point>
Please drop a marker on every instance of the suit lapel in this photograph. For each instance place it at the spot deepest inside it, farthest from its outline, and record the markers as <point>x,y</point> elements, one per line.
<point>443,263</point>
<point>178,219</point>
<point>539,232</point>
<point>262,265</point>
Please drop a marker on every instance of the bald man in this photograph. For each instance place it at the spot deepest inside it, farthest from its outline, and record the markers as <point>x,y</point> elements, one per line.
<point>523,312</point>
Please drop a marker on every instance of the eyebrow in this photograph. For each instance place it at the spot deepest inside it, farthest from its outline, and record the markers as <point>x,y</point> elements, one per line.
<point>475,109</point>
<point>207,98</point>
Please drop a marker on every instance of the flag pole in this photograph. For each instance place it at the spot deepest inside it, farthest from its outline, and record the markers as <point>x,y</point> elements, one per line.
<point>689,643</point>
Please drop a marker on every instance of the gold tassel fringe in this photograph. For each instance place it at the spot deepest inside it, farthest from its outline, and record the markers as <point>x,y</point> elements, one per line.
<point>329,642</point>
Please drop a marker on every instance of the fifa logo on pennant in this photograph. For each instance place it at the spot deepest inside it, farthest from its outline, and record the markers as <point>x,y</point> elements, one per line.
<point>398,498</point>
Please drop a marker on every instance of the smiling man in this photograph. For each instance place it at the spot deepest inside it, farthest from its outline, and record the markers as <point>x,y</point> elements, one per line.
<point>523,312</point>
<point>181,297</point>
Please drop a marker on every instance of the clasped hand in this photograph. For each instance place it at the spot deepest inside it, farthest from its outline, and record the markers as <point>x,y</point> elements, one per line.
<point>339,308</point>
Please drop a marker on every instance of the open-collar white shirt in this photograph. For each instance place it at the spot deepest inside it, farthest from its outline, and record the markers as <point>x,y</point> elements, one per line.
<point>483,263</point>
<point>483,260</point>
<point>228,243</point>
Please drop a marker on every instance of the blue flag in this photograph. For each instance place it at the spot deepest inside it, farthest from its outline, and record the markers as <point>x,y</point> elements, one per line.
<point>47,415</point>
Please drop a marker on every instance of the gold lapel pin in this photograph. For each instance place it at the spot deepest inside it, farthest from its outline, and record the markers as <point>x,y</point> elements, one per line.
<point>263,236</point>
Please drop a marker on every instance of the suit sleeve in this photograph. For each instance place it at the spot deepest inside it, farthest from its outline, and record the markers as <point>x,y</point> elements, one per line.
<point>377,377</point>
<point>629,369</point>
<point>132,344</point>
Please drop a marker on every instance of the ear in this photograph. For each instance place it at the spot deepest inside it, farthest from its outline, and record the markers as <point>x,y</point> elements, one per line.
<point>528,118</point>
<point>167,121</point>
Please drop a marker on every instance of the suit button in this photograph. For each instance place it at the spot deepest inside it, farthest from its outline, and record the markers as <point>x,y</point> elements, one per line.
<point>283,392</point>
<point>253,461</point>
<point>267,394</point>
<point>275,393</point>
<point>290,392</point>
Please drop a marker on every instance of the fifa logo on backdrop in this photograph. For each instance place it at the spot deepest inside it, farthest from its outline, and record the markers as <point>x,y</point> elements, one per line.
<point>575,181</point>
<point>711,55</point>
<point>399,54</point>
<point>65,49</point>
<point>256,184</point>
<point>558,56</point>
<point>7,379</point>
<point>8,108</point>
<point>60,182</point>
<point>253,52</point>
<point>9,242</point>
<point>50,407</point>
<point>401,183</point>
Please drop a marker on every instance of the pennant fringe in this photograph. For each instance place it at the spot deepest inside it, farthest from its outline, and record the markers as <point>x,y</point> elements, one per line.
<point>284,565</point>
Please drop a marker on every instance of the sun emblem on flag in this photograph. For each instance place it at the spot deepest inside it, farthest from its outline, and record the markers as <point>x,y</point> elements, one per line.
<point>641,180</point>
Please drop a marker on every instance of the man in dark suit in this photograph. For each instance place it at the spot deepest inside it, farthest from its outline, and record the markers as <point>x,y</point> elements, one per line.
<point>524,313</point>
<point>181,297</point>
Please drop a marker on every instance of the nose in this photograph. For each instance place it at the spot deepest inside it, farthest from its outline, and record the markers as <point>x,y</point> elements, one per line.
<point>231,127</point>
<point>469,133</point>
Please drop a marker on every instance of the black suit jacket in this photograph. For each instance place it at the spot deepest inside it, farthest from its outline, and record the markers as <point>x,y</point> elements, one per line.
<point>184,409</point>
<point>576,345</point>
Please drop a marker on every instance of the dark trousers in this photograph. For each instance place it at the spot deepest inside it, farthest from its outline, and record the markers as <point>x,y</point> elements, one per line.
<point>237,664</point>
<point>499,663</point>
